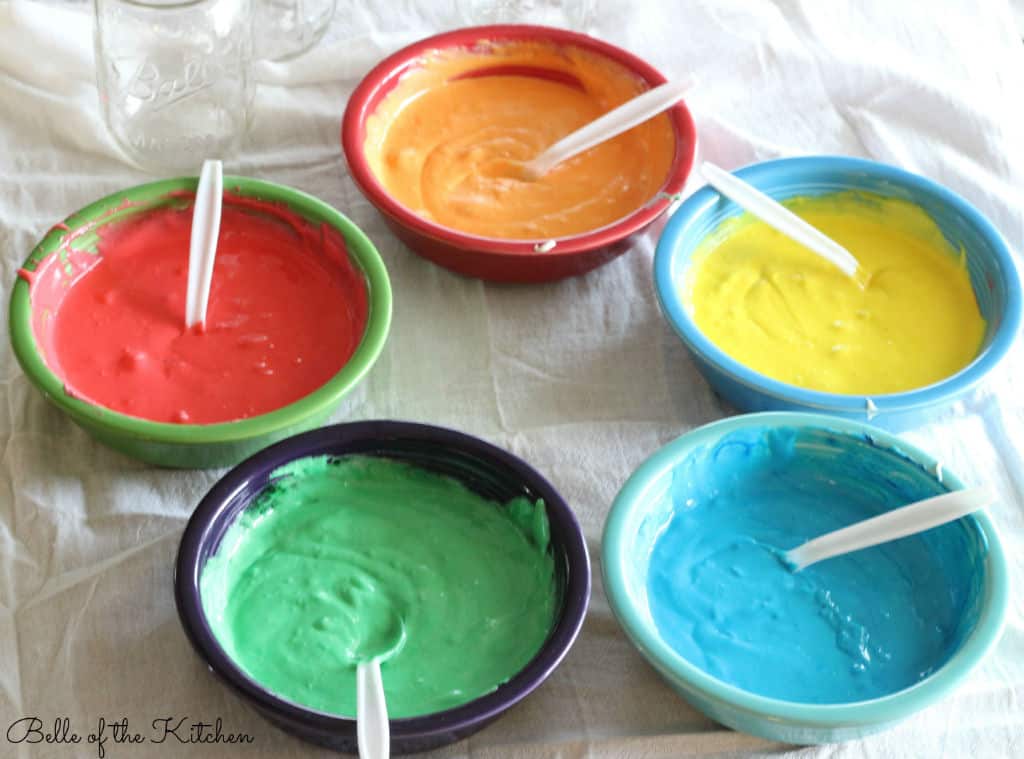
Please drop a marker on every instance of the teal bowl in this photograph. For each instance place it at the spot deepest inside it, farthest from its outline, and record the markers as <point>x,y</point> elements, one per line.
<point>968,554</point>
<point>199,446</point>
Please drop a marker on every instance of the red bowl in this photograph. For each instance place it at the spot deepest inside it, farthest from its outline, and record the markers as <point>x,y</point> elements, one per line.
<point>490,258</point>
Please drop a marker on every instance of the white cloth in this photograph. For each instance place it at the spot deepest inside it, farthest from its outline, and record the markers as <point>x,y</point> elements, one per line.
<point>581,378</point>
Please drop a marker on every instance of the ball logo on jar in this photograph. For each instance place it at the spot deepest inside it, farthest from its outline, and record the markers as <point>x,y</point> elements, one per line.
<point>160,89</point>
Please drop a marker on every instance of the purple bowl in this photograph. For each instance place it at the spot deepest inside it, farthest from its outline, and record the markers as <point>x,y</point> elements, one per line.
<point>490,471</point>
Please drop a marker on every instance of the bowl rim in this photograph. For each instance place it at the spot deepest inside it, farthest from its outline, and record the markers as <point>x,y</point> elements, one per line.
<point>703,200</point>
<point>199,531</point>
<point>395,65</point>
<point>681,672</point>
<point>361,252</point>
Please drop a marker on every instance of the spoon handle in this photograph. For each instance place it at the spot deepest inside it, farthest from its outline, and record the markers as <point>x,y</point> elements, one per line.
<point>898,523</point>
<point>615,122</point>
<point>203,242</point>
<point>776,215</point>
<point>372,729</point>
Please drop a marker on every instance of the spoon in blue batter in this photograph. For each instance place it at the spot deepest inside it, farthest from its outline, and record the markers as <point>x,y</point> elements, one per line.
<point>373,731</point>
<point>898,523</point>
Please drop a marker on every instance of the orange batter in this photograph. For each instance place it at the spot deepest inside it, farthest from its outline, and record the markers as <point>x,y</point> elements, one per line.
<point>446,140</point>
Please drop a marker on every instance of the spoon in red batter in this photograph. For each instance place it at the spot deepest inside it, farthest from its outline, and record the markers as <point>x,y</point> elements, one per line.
<point>203,243</point>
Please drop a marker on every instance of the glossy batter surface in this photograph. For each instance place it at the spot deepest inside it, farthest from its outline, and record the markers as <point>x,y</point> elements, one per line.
<point>850,628</point>
<point>909,320</point>
<point>339,557</point>
<point>287,309</point>
<point>446,140</point>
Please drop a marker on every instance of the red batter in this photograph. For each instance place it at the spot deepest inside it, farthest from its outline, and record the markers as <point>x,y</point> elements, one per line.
<point>287,310</point>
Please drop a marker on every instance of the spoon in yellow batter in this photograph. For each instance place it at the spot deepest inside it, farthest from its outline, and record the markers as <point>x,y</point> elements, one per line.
<point>774,214</point>
<point>618,120</point>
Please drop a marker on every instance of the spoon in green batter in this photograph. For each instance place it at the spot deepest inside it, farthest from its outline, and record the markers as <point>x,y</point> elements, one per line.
<point>373,732</point>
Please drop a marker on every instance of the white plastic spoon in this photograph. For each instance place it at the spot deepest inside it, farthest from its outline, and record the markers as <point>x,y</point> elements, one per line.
<point>611,124</point>
<point>776,215</point>
<point>373,731</point>
<point>898,523</point>
<point>203,243</point>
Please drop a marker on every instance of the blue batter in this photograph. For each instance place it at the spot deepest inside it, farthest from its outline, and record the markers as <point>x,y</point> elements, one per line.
<point>848,629</point>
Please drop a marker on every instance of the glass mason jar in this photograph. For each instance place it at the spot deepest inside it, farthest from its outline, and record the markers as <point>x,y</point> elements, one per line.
<point>174,78</point>
<point>287,28</point>
<point>577,15</point>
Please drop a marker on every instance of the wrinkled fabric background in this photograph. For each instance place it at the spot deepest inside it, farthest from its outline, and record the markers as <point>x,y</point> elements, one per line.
<point>581,378</point>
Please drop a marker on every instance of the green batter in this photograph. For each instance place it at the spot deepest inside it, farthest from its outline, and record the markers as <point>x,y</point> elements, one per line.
<point>342,560</point>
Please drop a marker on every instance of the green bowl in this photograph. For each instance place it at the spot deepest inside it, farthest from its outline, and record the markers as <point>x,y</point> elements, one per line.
<point>201,445</point>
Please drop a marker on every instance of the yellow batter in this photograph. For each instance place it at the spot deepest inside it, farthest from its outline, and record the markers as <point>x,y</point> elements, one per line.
<point>445,145</point>
<point>909,320</point>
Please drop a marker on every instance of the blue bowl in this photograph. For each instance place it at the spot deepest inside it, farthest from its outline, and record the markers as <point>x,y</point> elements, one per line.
<point>968,551</point>
<point>990,264</point>
<point>490,471</point>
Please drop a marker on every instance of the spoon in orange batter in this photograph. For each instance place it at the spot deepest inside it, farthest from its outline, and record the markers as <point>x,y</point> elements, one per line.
<point>615,122</point>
